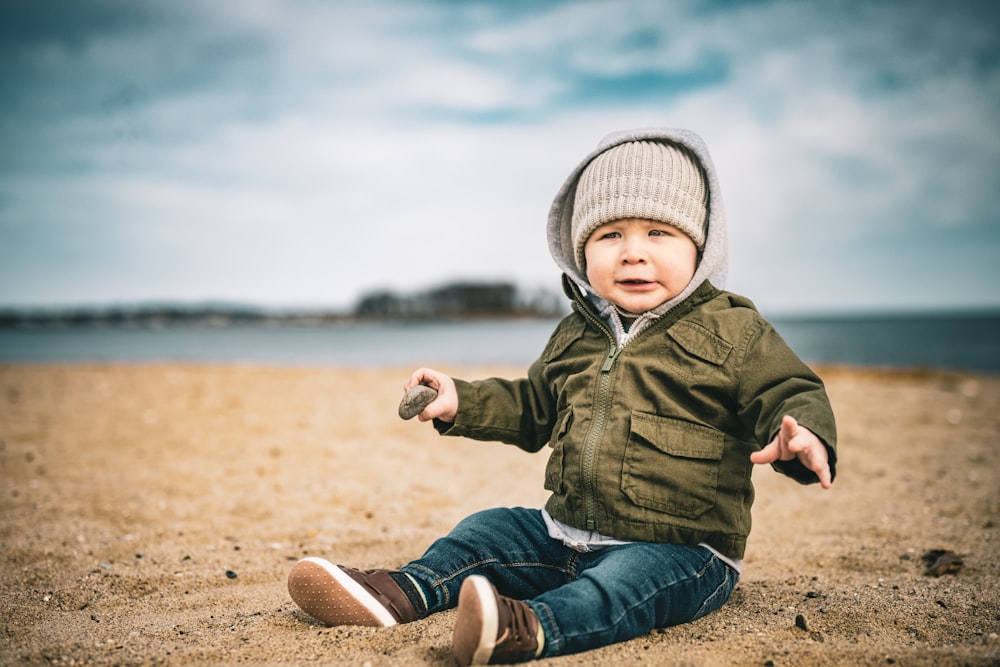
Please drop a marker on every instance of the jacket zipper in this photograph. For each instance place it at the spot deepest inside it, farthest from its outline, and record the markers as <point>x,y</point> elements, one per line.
<point>603,407</point>
<point>590,451</point>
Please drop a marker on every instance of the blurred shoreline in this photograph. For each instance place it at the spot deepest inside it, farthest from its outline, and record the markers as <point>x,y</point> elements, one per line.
<point>962,341</point>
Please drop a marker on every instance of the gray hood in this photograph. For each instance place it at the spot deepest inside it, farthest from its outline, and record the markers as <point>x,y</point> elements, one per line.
<point>713,264</point>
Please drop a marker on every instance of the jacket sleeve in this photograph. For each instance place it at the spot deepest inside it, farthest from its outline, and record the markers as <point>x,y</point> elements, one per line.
<point>518,412</point>
<point>774,382</point>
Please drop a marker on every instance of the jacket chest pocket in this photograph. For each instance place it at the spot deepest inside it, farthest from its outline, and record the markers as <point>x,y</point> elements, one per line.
<point>694,351</point>
<point>671,465</point>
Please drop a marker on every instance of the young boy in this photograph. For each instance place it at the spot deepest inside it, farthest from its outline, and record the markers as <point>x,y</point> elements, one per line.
<point>656,396</point>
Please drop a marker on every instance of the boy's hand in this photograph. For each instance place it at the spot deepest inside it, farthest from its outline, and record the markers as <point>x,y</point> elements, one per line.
<point>795,441</point>
<point>445,406</point>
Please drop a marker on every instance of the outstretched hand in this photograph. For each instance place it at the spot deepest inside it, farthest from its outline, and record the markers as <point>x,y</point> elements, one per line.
<point>796,441</point>
<point>445,406</point>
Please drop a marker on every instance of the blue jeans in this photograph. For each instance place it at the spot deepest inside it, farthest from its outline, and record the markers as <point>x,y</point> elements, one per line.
<point>582,600</point>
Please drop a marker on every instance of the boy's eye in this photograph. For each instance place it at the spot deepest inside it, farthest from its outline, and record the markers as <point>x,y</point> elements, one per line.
<point>611,235</point>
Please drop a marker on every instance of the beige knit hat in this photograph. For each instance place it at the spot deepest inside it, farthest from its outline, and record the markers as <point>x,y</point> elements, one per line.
<point>640,179</point>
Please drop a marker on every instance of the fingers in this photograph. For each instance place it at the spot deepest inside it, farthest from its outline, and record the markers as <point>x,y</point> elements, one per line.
<point>795,441</point>
<point>780,447</point>
<point>445,406</point>
<point>789,429</point>
<point>769,454</point>
<point>816,459</point>
<point>425,376</point>
<point>824,476</point>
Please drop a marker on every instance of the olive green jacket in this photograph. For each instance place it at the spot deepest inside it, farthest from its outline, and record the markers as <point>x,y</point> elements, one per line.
<point>651,441</point>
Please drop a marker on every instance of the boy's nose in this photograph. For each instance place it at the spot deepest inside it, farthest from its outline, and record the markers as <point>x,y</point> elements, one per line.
<point>633,252</point>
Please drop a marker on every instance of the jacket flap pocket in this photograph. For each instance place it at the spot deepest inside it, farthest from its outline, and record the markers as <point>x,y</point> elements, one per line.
<point>672,466</point>
<point>679,438</point>
<point>700,342</point>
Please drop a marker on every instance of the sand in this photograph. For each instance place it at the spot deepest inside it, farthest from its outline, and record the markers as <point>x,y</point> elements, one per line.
<point>150,515</point>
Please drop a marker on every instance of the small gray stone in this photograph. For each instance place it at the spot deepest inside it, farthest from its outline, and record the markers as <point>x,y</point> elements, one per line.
<point>415,400</point>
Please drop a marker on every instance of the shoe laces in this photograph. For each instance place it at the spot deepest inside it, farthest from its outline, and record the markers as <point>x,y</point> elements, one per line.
<point>517,621</point>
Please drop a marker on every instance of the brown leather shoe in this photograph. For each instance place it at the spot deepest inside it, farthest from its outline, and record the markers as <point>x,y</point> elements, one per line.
<point>491,629</point>
<point>339,595</point>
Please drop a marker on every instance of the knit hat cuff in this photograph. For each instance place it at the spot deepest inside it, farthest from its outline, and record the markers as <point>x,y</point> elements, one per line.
<point>628,197</point>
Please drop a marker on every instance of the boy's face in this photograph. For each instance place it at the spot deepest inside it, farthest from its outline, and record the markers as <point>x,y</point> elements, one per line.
<point>638,264</point>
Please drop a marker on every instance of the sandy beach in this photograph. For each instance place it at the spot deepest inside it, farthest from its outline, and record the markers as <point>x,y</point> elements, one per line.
<point>149,514</point>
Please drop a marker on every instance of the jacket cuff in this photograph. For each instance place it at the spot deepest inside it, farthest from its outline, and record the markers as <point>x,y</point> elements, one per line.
<point>803,475</point>
<point>467,403</point>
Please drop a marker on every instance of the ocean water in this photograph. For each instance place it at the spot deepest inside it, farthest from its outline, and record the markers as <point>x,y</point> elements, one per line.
<point>958,342</point>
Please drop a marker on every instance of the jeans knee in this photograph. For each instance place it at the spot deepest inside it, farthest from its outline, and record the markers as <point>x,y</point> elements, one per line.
<point>722,592</point>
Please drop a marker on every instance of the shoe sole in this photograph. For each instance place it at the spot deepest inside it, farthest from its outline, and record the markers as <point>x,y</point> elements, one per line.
<point>328,594</point>
<point>475,633</point>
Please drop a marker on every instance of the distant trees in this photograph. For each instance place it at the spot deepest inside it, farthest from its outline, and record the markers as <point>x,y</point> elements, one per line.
<point>456,300</point>
<point>460,299</point>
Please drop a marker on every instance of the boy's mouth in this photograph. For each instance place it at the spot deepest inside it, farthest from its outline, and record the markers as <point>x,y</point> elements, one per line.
<point>636,285</point>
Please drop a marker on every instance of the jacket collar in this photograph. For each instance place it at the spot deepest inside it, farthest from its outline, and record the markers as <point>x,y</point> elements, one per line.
<point>603,311</point>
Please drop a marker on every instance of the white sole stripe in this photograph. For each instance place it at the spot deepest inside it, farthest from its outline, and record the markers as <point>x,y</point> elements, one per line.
<point>356,591</point>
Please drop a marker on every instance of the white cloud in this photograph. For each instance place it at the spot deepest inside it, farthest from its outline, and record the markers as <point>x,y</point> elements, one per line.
<point>291,152</point>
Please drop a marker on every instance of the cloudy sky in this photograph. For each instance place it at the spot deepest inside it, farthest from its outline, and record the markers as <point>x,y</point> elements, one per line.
<point>303,152</point>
